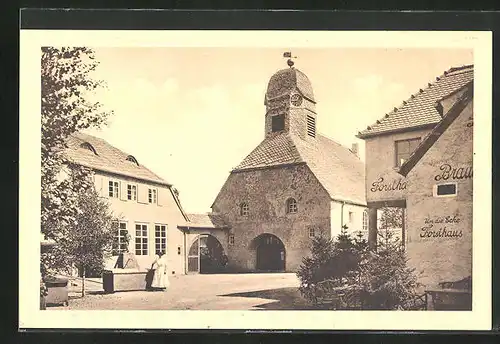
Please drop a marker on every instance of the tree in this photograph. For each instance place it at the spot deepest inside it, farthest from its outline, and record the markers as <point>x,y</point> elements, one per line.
<point>383,279</point>
<point>349,275</point>
<point>67,84</point>
<point>391,218</point>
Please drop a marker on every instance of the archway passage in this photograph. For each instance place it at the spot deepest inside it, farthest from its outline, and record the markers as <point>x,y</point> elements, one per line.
<point>270,253</point>
<point>206,255</point>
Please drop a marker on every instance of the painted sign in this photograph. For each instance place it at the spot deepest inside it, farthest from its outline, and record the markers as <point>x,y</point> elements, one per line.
<point>453,173</point>
<point>441,227</point>
<point>380,185</point>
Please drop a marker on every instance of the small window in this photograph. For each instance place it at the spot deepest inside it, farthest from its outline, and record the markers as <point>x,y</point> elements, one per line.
<point>244,209</point>
<point>291,206</point>
<point>311,126</point>
<point>231,239</point>
<point>152,196</point>
<point>351,217</point>
<point>141,239</point>
<point>365,220</point>
<point>312,233</point>
<point>445,190</point>
<point>278,123</point>
<point>113,189</point>
<point>132,159</point>
<point>131,192</point>
<point>160,238</point>
<point>404,149</point>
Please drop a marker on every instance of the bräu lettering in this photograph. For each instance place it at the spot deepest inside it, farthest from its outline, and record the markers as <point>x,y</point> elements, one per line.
<point>379,185</point>
<point>443,232</point>
<point>449,172</point>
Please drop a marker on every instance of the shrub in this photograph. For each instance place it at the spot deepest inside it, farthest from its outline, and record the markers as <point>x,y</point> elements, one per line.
<point>349,275</point>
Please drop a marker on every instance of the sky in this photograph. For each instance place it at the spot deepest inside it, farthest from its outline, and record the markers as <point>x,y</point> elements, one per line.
<point>192,114</point>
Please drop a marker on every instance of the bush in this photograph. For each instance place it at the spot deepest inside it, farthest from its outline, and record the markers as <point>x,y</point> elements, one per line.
<point>331,264</point>
<point>348,275</point>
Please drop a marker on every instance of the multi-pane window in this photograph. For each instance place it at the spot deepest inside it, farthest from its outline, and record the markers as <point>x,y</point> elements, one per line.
<point>365,220</point>
<point>141,239</point>
<point>244,209</point>
<point>160,238</point>
<point>152,195</point>
<point>131,192</point>
<point>113,189</point>
<point>291,206</point>
<point>231,239</point>
<point>311,232</point>
<point>404,149</point>
<point>120,239</point>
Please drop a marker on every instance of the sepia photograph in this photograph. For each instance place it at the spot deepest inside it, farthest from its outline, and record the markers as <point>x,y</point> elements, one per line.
<point>280,177</point>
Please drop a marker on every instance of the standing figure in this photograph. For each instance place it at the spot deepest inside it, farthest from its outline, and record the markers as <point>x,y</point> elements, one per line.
<point>160,278</point>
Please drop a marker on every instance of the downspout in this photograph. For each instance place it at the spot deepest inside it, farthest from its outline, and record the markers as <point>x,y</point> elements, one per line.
<point>342,215</point>
<point>185,252</point>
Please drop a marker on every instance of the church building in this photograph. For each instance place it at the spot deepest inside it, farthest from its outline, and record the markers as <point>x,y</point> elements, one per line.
<point>296,184</point>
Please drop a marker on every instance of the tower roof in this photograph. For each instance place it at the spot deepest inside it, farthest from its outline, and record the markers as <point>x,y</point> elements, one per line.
<point>287,80</point>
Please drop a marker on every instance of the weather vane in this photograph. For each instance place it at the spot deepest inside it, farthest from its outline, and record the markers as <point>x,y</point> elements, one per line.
<point>289,62</point>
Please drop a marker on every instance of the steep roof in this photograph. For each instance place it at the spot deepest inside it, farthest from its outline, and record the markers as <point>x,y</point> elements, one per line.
<point>204,221</point>
<point>440,128</point>
<point>102,156</point>
<point>339,171</point>
<point>419,109</point>
<point>287,80</point>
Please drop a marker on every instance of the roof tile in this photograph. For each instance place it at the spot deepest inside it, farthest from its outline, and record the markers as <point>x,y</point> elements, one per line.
<point>340,171</point>
<point>419,109</point>
<point>108,158</point>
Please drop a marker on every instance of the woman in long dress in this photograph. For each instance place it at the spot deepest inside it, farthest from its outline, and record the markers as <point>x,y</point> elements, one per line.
<point>160,277</point>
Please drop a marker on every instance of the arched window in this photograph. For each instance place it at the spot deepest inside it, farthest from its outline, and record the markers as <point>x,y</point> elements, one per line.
<point>132,159</point>
<point>89,147</point>
<point>365,220</point>
<point>291,206</point>
<point>244,209</point>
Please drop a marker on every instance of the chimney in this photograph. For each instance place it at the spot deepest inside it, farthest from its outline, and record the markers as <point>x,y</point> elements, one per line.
<point>354,149</point>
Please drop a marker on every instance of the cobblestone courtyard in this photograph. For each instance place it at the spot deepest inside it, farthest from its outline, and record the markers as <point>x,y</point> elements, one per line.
<point>199,292</point>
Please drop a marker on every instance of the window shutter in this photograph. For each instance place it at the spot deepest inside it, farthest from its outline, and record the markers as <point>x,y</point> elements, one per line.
<point>98,184</point>
<point>142,193</point>
<point>104,187</point>
<point>123,190</point>
<point>160,194</point>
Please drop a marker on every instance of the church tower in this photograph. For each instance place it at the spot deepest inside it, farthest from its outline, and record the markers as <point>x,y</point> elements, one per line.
<point>290,104</point>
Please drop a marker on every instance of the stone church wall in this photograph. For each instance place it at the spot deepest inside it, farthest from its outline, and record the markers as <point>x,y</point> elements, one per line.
<point>266,192</point>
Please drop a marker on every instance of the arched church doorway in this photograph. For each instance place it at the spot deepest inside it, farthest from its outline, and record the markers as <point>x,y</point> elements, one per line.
<point>270,253</point>
<point>206,255</point>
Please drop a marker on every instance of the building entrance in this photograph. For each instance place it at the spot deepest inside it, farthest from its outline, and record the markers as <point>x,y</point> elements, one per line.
<point>270,253</point>
<point>206,255</point>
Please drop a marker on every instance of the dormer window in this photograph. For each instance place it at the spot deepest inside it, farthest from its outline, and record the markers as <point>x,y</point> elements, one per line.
<point>132,159</point>
<point>311,126</point>
<point>89,147</point>
<point>291,206</point>
<point>244,209</point>
<point>277,123</point>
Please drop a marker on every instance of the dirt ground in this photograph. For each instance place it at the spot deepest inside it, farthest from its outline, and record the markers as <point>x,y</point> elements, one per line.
<point>199,292</point>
